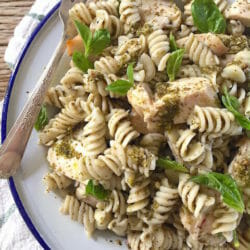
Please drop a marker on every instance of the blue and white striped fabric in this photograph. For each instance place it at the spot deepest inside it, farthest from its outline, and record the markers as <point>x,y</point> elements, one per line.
<point>14,235</point>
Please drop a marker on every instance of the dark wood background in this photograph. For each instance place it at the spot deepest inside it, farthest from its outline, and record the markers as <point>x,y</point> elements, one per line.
<point>11,12</point>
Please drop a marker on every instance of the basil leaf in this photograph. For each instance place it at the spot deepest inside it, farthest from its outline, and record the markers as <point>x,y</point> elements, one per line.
<point>85,34</point>
<point>232,105</point>
<point>166,163</point>
<point>172,42</point>
<point>99,42</point>
<point>120,87</point>
<point>207,17</point>
<point>130,73</point>
<point>224,184</point>
<point>97,191</point>
<point>235,239</point>
<point>81,61</point>
<point>174,63</point>
<point>42,119</point>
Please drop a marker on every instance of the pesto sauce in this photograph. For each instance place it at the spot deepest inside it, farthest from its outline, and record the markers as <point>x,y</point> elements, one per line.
<point>65,149</point>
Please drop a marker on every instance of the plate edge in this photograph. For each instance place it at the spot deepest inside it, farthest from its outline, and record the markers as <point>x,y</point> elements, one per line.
<point>11,182</point>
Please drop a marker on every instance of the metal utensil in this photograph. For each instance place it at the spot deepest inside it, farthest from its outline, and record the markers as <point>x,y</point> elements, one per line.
<point>13,148</point>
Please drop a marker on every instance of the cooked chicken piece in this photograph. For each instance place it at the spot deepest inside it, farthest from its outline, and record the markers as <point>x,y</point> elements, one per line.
<point>138,122</point>
<point>141,98</point>
<point>160,14</point>
<point>188,92</point>
<point>240,166</point>
<point>172,102</point>
<point>213,42</point>
<point>239,10</point>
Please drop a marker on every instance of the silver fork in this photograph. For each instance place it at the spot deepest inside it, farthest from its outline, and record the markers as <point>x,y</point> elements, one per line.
<point>13,148</point>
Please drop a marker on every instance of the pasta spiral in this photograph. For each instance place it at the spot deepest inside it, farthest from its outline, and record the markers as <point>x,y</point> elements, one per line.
<point>191,196</point>
<point>129,14</point>
<point>235,28</point>
<point>189,149</point>
<point>120,127</point>
<point>94,134</point>
<point>226,220</point>
<point>164,201</point>
<point>107,65</point>
<point>55,181</point>
<point>139,196</point>
<point>158,48</point>
<point>140,160</point>
<point>105,21</point>
<point>116,204</point>
<point>80,212</point>
<point>57,127</point>
<point>198,52</point>
<point>119,225</point>
<point>111,6</point>
<point>152,142</point>
<point>81,13</point>
<point>213,120</point>
<point>114,158</point>
<point>57,96</point>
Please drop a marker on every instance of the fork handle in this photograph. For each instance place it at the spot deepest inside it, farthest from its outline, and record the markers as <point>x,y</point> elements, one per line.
<point>14,145</point>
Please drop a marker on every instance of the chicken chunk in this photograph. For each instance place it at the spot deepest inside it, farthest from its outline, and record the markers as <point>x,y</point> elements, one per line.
<point>239,10</point>
<point>172,102</point>
<point>213,42</point>
<point>160,14</point>
<point>240,166</point>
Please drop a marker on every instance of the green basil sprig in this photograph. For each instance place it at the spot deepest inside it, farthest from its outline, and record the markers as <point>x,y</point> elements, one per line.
<point>42,119</point>
<point>232,104</point>
<point>224,184</point>
<point>235,239</point>
<point>174,63</point>
<point>172,43</point>
<point>207,17</point>
<point>166,163</point>
<point>93,45</point>
<point>122,86</point>
<point>97,191</point>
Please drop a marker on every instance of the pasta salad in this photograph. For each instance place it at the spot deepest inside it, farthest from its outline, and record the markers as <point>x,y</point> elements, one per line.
<point>151,139</point>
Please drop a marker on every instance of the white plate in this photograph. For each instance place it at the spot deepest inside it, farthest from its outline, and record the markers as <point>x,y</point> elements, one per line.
<point>40,210</point>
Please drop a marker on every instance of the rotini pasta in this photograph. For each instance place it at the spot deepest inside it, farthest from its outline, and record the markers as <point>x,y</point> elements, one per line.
<point>141,111</point>
<point>120,127</point>
<point>192,197</point>
<point>198,52</point>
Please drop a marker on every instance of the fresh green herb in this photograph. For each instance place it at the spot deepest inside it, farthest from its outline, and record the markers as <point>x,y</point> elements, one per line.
<point>174,63</point>
<point>130,73</point>
<point>235,239</point>
<point>93,45</point>
<point>232,104</point>
<point>122,86</point>
<point>207,17</point>
<point>85,34</point>
<point>97,191</point>
<point>224,184</point>
<point>42,119</point>
<point>172,42</point>
<point>100,41</point>
<point>166,163</point>
<point>81,61</point>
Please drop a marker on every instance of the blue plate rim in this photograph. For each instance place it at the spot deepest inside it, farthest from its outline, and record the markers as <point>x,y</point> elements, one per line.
<point>12,186</point>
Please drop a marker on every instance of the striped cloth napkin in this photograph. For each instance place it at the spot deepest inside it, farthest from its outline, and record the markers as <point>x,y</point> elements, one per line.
<point>14,234</point>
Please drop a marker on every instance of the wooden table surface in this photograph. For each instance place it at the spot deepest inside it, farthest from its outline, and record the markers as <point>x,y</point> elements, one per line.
<point>11,12</point>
